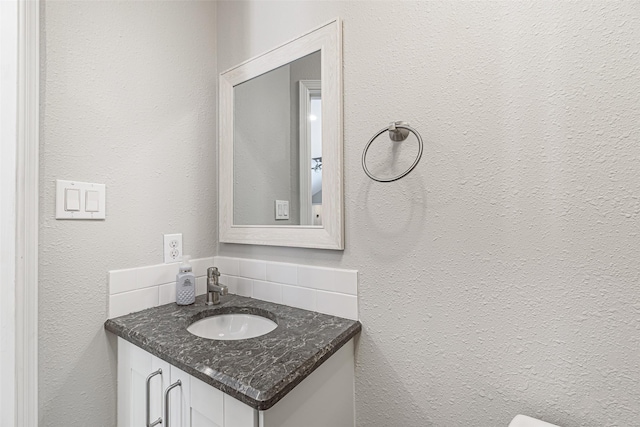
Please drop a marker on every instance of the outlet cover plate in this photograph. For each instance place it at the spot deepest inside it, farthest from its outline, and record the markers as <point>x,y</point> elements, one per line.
<point>172,248</point>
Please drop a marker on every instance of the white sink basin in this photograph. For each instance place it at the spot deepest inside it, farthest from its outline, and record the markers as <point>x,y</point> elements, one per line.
<point>232,327</point>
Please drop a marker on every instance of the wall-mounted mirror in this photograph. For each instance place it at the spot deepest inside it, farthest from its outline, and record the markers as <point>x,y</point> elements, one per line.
<point>281,145</point>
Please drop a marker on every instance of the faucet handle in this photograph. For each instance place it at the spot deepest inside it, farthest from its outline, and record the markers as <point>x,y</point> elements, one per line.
<point>212,272</point>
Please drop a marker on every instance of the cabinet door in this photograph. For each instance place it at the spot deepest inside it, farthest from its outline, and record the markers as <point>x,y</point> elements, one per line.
<point>157,386</point>
<point>192,404</point>
<point>134,365</point>
<point>179,399</point>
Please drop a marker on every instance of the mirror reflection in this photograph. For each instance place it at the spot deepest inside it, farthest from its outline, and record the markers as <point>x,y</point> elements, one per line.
<point>277,146</point>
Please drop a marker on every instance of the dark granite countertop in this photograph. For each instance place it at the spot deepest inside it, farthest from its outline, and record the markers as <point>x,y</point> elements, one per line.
<point>257,371</point>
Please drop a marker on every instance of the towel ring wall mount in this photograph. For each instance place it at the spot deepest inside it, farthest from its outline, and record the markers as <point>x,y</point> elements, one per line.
<point>398,131</point>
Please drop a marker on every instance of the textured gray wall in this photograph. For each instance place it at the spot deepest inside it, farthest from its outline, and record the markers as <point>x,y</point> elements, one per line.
<point>128,99</point>
<point>502,275</point>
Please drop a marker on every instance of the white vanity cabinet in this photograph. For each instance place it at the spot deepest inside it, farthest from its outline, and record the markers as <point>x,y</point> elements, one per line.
<point>323,399</point>
<point>134,367</point>
<point>191,404</point>
<point>142,380</point>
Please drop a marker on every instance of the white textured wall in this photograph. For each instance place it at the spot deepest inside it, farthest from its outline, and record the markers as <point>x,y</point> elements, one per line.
<point>502,275</point>
<point>128,99</point>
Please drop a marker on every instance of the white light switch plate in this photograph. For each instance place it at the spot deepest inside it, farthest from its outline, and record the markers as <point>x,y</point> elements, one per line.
<point>83,187</point>
<point>282,209</point>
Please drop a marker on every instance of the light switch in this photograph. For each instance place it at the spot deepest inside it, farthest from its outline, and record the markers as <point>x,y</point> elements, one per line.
<point>92,201</point>
<point>80,200</point>
<point>282,209</point>
<point>71,199</point>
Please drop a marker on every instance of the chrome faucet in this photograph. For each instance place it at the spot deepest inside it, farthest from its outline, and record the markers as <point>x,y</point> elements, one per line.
<point>214,289</point>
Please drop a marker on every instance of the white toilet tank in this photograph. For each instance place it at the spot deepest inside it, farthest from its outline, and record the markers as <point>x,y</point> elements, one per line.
<point>524,421</point>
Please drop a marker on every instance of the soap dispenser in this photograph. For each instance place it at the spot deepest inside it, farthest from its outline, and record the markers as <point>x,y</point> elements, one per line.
<point>185,283</point>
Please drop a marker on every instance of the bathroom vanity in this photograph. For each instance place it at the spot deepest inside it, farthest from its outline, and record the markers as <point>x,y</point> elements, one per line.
<point>299,374</point>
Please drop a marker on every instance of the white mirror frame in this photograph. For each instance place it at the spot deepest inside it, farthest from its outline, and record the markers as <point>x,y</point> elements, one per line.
<point>328,39</point>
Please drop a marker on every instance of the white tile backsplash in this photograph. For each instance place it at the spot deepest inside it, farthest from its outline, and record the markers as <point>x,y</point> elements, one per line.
<point>228,266</point>
<point>336,304</point>
<point>201,285</point>
<point>244,286</point>
<point>230,282</point>
<point>135,289</point>
<point>345,281</point>
<point>327,290</point>
<point>329,279</point>
<point>267,291</point>
<point>280,272</point>
<point>158,274</point>
<point>200,266</point>
<point>166,293</point>
<point>295,296</point>
<point>253,269</point>
<point>124,280</point>
<point>129,302</point>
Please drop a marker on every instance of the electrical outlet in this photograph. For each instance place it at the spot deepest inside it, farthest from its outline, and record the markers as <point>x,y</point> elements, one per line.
<point>172,248</point>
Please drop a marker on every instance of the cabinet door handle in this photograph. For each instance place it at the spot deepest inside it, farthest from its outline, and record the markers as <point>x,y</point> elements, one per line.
<point>166,401</point>
<point>147,398</point>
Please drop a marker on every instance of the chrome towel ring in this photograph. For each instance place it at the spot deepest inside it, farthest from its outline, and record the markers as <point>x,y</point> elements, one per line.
<point>398,131</point>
